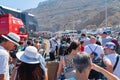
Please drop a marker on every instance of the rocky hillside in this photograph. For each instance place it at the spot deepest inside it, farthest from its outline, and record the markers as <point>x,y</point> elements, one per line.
<point>56,15</point>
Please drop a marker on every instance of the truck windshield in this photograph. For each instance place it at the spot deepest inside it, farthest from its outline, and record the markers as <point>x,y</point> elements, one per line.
<point>22,30</point>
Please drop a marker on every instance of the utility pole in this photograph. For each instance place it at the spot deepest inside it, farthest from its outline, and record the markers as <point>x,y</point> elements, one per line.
<point>73,27</point>
<point>106,20</point>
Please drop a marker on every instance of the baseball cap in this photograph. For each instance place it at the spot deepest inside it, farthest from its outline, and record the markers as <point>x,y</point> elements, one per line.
<point>110,45</point>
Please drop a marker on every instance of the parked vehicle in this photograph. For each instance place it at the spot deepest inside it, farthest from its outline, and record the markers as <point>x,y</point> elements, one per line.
<point>9,23</point>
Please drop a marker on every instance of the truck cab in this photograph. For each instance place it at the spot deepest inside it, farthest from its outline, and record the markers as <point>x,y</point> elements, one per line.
<point>9,23</point>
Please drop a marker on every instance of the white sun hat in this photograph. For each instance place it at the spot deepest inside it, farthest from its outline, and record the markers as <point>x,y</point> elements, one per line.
<point>12,37</point>
<point>30,55</point>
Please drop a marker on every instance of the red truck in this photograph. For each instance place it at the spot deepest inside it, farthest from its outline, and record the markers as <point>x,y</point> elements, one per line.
<point>9,23</point>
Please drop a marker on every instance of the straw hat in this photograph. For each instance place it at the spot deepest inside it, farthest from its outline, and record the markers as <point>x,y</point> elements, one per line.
<point>12,37</point>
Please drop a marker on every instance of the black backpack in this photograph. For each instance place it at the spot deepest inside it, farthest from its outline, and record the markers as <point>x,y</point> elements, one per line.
<point>63,48</point>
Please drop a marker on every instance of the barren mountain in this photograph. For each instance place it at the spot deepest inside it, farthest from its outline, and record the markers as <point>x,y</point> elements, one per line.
<point>57,15</point>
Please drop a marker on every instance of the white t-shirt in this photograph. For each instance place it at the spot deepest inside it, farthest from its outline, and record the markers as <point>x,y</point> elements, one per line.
<point>105,40</point>
<point>99,50</point>
<point>52,45</point>
<point>4,59</point>
<point>112,58</point>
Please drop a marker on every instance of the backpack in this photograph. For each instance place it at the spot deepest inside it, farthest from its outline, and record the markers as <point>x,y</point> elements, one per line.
<point>95,59</point>
<point>93,55</point>
<point>63,48</point>
<point>98,61</point>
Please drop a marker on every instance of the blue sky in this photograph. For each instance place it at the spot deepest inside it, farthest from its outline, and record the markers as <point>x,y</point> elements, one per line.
<point>20,4</point>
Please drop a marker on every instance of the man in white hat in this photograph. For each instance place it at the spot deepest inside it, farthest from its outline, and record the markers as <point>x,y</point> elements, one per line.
<point>7,44</point>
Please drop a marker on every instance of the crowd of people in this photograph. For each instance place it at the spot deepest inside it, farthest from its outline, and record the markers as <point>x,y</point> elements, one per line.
<point>102,49</point>
<point>90,57</point>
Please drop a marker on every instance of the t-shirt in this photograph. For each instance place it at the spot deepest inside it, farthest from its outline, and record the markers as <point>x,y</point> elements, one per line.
<point>82,48</point>
<point>107,39</point>
<point>112,58</point>
<point>21,48</point>
<point>52,45</point>
<point>4,59</point>
<point>99,49</point>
